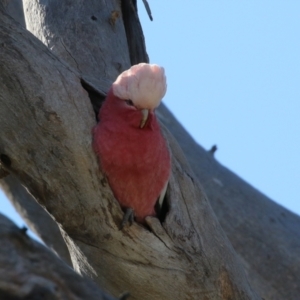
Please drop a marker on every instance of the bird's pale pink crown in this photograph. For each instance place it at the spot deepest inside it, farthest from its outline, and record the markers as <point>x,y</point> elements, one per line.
<point>143,84</point>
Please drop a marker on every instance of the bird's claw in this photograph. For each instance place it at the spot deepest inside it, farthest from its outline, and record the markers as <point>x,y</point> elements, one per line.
<point>128,217</point>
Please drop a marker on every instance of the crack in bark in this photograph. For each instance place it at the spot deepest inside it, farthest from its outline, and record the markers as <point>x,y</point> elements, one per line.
<point>70,54</point>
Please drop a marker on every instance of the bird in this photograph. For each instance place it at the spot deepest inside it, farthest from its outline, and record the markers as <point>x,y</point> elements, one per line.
<point>131,150</point>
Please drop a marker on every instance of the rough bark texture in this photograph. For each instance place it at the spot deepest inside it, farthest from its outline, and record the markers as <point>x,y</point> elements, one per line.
<point>35,217</point>
<point>265,235</point>
<point>134,32</point>
<point>31,271</point>
<point>75,30</point>
<point>15,9</point>
<point>38,220</point>
<point>46,119</point>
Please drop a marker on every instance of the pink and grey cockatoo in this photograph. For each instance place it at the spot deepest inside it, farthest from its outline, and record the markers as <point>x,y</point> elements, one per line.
<point>128,141</point>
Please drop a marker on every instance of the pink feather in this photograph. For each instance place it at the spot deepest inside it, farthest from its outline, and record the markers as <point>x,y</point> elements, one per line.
<point>136,161</point>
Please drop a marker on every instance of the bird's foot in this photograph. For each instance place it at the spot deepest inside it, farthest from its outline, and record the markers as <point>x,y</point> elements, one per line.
<point>128,217</point>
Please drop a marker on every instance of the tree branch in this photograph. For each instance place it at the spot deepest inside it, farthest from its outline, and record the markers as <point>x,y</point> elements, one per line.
<point>14,8</point>
<point>265,234</point>
<point>47,119</point>
<point>38,220</point>
<point>31,271</point>
<point>134,33</point>
<point>265,262</point>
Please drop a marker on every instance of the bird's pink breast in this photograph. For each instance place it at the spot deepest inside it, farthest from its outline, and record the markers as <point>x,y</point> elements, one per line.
<point>136,161</point>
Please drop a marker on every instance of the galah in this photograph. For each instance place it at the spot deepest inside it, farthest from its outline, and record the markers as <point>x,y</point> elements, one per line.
<point>129,144</point>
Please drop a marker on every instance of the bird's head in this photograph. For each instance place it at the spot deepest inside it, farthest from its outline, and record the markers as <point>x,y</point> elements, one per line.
<point>142,87</point>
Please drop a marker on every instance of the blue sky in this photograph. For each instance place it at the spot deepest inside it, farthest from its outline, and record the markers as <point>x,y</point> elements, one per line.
<point>233,71</point>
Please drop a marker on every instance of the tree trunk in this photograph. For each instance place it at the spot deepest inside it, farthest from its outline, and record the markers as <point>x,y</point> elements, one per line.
<point>265,234</point>
<point>47,118</point>
<point>99,41</point>
<point>30,271</point>
<point>35,216</point>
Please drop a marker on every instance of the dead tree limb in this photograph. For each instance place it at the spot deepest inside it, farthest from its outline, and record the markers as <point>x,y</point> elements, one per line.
<point>47,119</point>
<point>266,262</point>
<point>35,217</point>
<point>31,271</point>
<point>265,234</point>
<point>38,220</point>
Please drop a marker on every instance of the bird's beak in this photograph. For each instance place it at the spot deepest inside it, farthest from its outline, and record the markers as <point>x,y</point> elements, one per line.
<point>145,114</point>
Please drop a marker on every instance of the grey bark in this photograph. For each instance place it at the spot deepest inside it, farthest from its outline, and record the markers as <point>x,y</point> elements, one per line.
<point>15,9</point>
<point>46,119</point>
<point>265,234</point>
<point>38,220</point>
<point>31,271</point>
<point>35,217</point>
